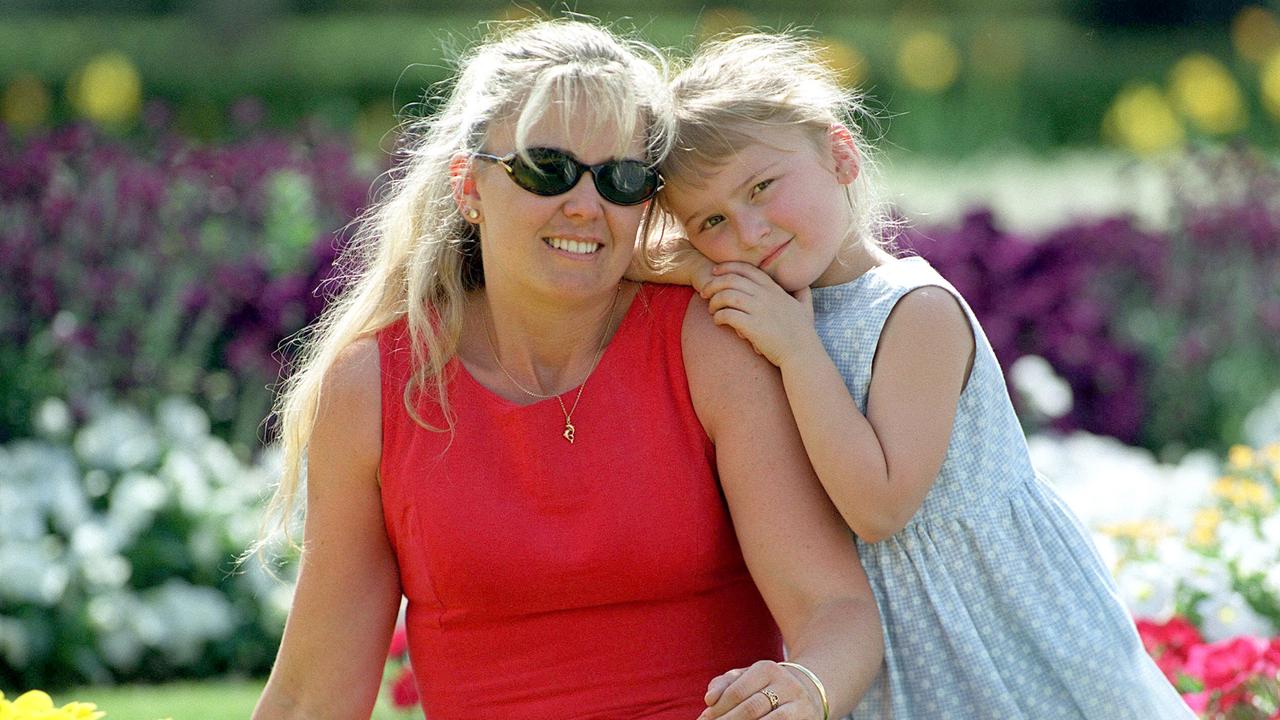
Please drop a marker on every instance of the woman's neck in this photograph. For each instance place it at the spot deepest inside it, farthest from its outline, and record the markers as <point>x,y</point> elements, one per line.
<point>519,347</point>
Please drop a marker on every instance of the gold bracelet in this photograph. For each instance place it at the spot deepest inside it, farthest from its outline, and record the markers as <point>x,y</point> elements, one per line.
<point>822,691</point>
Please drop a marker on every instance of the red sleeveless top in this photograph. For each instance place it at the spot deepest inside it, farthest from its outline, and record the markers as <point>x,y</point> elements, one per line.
<point>549,581</point>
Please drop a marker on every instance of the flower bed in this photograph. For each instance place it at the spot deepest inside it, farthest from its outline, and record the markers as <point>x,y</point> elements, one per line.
<point>118,548</point>
<point>176,269</point>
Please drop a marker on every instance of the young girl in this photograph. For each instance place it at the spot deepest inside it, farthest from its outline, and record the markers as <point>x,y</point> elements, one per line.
<point>993,601</point>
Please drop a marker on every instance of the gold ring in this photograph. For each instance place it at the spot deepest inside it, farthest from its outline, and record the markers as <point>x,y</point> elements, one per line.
<point>773,699</point>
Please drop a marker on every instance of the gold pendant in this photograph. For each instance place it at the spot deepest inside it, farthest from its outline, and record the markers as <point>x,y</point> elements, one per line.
<point>568,431</point>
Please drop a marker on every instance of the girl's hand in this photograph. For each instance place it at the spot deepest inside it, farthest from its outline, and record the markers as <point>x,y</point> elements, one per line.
<point>741,695</point>
<point>774,321</point>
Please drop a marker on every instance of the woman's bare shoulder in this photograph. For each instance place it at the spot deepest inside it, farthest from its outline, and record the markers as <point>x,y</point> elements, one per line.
<point>350,406</point>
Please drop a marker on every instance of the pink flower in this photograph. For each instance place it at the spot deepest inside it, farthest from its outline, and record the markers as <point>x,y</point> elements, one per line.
<point>1197,701</point>
<point>1270,663</point>
<point>399,643</point>
<point>1226,665</point>
<point>404,691</point>
<point>1169,643</point>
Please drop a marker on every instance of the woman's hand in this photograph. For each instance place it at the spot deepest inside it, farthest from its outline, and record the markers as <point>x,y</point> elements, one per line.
<point>766,689</point>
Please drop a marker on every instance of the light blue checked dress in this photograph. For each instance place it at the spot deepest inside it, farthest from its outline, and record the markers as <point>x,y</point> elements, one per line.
<point>993,601</point>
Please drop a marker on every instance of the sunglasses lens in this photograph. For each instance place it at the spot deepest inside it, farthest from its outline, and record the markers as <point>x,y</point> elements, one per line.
<point>626,182</point>
<point>548,171</point>
<point>551,172</point>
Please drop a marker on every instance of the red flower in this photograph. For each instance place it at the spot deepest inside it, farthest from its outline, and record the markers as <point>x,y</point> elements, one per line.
<point>404,691</point>
<point>1169,643</point>
<point>1225,665</point>
<point>1270,663</point>
<point>399,643</point>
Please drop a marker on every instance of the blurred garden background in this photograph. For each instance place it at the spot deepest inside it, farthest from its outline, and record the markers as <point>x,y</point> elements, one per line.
<point>1100,179</point>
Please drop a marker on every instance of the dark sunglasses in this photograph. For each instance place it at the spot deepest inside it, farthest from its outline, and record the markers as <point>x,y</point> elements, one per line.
<point>552,172</point>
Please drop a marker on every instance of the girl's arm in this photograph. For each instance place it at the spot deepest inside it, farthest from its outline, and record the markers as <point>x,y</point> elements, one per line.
<point>878,468</point>
<point>794,542</point>
<point>344,608</point>
<point>681,264</point>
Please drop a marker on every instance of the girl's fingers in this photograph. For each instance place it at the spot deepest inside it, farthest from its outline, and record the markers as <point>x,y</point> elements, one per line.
<point>725,282</point>
<point>731,298</point>
<point>746,270</point>
<point>735,319</point>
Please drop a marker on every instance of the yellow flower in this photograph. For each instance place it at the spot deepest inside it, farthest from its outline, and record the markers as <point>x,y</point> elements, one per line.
<point>108,90</point>
<point>1142,120</point>
<point>31,702</point>
<point>82,711</point>
<point>1240,457</point>
<point>1205,92</point>
<point>1204,527</point>
<point>1136,530</point>
<point>25,103</point>
<point>1269,77</point>
<point>1272,453</point>
<point>1242,493</point>
<point>845,59</point>
<point>929,61</point>
<point>1255,32</point>
<point>37,705</point>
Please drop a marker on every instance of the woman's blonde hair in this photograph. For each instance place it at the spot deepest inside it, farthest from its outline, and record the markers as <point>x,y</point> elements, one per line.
<point>414,256</point>
<point>735,89</point>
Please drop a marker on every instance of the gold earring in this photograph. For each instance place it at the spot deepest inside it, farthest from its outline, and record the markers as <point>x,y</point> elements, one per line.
<point>473,214</point>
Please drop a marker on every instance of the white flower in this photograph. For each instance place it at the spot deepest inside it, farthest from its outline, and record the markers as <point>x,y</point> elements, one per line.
<point>15,642</point>
<point>1241,544</point>
<point>1147,589</point>
<point>117,438</point>
<point>33,572</point>
<point>1107,483</point>
<point>1262,425</point>
<point>204,546</point>
<point>181,421</point>
<point>182,471</point>
<point>52,418</point>
<point>1043,389</point>
<point>110,572</point>
<point>191,616</point>
<point>95,539</point>
<point>1271,581</point>
<point>135,500</point>
<point>1227,615</point>
<point>112,615</point>
<point>1197,572</point>
<point>36,479</point>
<point>220,462</point>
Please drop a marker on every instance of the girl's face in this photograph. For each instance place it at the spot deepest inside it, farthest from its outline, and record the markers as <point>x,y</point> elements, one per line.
<point>572,245</point>
<point>779,204</point>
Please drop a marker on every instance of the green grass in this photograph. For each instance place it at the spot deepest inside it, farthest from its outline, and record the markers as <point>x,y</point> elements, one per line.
<point>213,700</point>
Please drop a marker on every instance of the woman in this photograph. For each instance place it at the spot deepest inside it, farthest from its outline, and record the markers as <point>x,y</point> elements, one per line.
<point>463,408</point>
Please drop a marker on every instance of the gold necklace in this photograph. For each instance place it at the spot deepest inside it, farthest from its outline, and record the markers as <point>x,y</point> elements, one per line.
<point>568,413</point>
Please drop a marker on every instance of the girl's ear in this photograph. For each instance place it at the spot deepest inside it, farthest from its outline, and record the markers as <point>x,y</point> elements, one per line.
<point>845,152</point>
<point>464,186</point>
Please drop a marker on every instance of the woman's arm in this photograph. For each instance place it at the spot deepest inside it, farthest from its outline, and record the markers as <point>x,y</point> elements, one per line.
<point>335,641</point>
<point>795,543</point>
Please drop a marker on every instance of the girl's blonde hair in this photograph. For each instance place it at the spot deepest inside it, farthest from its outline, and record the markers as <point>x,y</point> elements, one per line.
<point>735,89</point>
<point>414,255</point>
